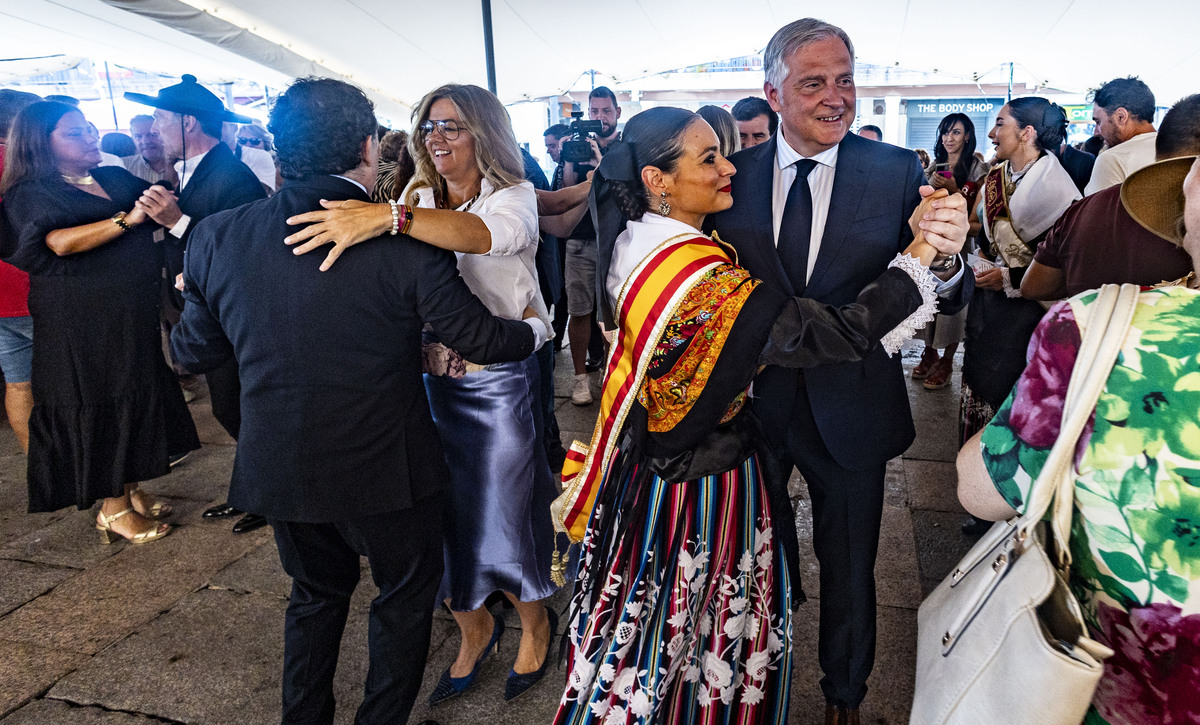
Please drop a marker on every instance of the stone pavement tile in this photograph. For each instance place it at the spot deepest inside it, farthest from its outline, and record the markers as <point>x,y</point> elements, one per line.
<point>115,597</point>
<point>933,485</point>
<point>216,657</point>
<point>895,484</point>
<point>74,541</point>
<point>24,582</point>
<point>896,583</point>
<point>27,671</point>
<point>935,415</point>
<point>890,686</point>
<point>940,544</point>
<point>14,502</point>
<point>41,712</point>
<point>203,476</point>
<point>258,571</point>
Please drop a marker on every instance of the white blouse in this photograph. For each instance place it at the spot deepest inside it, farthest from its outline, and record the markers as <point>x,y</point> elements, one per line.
<point>505,278</point>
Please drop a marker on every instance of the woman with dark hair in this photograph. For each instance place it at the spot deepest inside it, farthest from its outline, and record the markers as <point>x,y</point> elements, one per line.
<point>107,410</point>
<point>1022,198</point>
<point>469,195</point>
<point>682,612</point>
<point>954,168</point>
<point>118,144</point>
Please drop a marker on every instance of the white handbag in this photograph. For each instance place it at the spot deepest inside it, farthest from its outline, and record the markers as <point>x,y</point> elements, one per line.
<point>1001,639</point>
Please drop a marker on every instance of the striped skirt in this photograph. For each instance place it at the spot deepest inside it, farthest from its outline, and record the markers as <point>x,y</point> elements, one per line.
<point>682,613</point>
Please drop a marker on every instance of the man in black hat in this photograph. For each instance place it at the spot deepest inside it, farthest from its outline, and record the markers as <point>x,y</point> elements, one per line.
<point>188,119</point>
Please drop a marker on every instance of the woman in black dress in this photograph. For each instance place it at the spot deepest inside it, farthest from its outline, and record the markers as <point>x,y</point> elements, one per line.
<point>107,411</point>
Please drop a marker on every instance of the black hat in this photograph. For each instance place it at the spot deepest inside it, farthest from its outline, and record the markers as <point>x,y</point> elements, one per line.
<point>189,98</point>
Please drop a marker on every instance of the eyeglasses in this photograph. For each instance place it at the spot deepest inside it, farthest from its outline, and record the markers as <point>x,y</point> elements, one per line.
<point>249,141</point>
<point>448,129</point>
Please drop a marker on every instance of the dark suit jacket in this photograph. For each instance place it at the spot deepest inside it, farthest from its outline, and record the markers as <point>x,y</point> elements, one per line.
<point>1078,165</point>
<point>220,182</point>
<point>335,422</point>
<point>861,408</point>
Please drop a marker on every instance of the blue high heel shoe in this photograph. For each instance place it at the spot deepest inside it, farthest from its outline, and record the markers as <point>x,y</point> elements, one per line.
<point>449,687</point>
<point>517,685</point>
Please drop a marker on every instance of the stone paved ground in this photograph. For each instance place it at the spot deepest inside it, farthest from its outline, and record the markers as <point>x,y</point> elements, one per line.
<point>189,629</point>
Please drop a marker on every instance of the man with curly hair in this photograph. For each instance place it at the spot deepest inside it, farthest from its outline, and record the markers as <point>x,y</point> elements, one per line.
<point>338,447</point>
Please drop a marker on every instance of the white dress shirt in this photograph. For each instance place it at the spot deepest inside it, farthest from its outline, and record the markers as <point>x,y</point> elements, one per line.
<point>820,183</point>
<point>190,168</point>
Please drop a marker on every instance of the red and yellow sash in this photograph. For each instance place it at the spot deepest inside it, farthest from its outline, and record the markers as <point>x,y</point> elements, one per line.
<point>657,286</point>
<point>995,195</point>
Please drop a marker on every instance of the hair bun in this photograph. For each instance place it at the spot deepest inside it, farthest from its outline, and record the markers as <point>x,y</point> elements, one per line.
<point>1053,115</point>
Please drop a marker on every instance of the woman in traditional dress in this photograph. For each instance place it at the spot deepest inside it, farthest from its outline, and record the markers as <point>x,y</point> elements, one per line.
<point>1022,198</point>
<point>683,605</point>
<point>1023,195</point>
<point>107,410</point>
<point>955,169</point>
<point>469,196</point>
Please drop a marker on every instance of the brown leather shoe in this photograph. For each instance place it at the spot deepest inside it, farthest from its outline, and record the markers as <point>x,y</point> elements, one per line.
<point>840,715</point>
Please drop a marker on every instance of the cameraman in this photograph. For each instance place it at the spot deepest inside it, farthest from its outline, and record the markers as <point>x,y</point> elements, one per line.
<point>581,247</point>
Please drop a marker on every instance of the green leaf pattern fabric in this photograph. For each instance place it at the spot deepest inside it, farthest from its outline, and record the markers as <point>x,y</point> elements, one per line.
<point>1135,539</point>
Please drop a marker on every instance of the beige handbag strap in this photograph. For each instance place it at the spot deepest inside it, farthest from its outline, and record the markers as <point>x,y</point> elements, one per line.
<point>1107,324</point>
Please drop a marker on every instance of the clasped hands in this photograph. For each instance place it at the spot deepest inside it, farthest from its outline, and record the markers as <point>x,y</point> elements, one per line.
<point>940,221</point>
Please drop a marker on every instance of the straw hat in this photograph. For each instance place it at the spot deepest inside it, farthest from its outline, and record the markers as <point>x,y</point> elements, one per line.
<point>190,99</point>
<point>1153,196</point>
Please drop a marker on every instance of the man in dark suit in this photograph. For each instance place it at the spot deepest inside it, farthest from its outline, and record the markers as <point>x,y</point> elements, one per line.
<point>338,447</point>
<point>189,118</point>
<point>820,213</point>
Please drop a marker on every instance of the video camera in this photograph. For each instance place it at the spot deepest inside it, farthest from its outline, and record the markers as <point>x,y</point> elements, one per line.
<point>578,150</point>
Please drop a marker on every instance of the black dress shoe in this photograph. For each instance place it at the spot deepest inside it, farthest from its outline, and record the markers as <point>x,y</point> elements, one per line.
<point>249,522</point>
<point>220,511</point>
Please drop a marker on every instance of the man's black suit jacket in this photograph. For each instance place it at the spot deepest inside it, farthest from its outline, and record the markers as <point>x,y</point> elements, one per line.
<point>335,422</point>
<point>220,182</point>
<point>861,408</point>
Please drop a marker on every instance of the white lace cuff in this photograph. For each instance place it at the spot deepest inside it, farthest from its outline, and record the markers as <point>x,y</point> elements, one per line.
<point>1006,281</point>
<point>927,285</point>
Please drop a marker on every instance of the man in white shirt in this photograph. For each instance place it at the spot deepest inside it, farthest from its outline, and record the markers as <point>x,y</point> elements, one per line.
<point>819,212</point>
<point>1123,110</point>
<point>149,163</point>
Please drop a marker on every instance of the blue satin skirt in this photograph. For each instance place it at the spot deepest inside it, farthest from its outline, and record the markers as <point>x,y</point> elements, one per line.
<point>498,530</point>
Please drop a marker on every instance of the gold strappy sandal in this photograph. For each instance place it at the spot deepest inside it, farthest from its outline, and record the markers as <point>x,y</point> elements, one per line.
<point>159,510</point>
<point>107,535</point>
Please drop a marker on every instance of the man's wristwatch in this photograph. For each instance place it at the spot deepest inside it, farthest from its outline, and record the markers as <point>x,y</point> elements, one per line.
<point>943,263</point>
<point>119,220</point>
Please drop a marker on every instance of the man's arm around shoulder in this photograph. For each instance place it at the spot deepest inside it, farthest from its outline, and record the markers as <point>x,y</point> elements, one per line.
<point>457,316</point>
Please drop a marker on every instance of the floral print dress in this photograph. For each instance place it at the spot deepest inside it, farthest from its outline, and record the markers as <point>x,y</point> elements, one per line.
<point>1135,538</point>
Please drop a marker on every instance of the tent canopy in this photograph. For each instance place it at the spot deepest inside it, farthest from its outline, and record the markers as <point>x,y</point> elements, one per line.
<point>399,49</point>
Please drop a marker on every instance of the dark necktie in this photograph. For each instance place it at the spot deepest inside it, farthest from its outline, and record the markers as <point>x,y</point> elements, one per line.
<point>795,230</point>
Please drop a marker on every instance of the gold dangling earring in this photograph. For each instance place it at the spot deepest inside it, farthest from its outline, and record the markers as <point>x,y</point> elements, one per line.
<point>664,208</point>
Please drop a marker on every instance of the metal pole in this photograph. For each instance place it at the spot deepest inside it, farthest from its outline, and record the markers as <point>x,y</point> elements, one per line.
<point>111,101</point>
<point>489,50</point>
<point>1010,82</point>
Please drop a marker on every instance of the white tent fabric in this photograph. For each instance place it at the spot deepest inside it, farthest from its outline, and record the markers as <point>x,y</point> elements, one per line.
<point>399,49</point>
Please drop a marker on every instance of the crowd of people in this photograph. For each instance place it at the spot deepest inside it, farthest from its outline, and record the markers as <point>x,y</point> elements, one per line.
<point>376,314</point>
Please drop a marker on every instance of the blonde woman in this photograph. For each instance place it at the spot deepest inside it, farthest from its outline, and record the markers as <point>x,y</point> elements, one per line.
<point>469,196</point>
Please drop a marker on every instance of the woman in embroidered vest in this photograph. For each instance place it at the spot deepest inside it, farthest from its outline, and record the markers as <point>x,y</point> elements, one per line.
<point>107,409</point>
<point>683,605</point>
<point>1022,198</point>
<point>1135,566</point>
<point>469,195</point>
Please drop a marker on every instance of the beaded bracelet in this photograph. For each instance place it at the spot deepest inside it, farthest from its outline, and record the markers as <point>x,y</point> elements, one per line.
<point>395,216</point>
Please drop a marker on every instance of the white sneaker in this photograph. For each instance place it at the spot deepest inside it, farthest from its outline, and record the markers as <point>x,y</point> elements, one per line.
<point>582,393</point>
